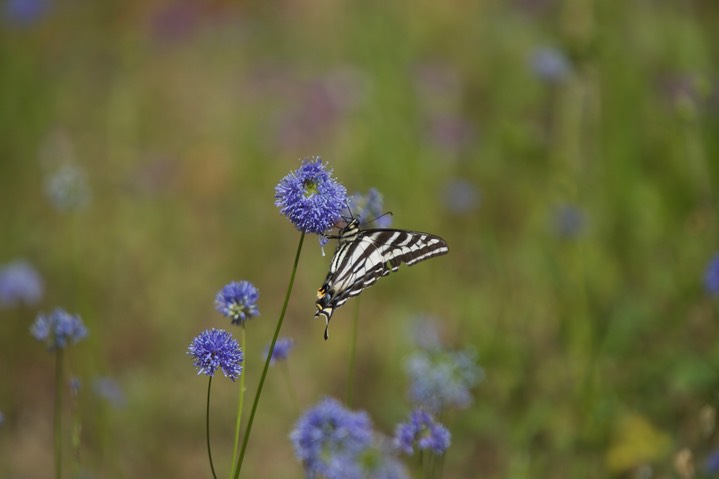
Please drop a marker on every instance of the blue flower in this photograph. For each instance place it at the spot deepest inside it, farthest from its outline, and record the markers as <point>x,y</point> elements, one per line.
<point>20,283</point>
<point>216,348</point>
<point>109,390</point>
<point>421,432</point>
<point>26,12</point>
<point>711,277</point>
<point>328,438</point>
<point>67,188</point>
<point>58,328</point>
<point>461,196</point>
<point>441,379</point>
<point>711,463</point>
<point>550,64</point>
<point>238,301</point>
<point>310,197</point>
<point>568,221</point>
<point>281,351</point>
<point>368,209</point>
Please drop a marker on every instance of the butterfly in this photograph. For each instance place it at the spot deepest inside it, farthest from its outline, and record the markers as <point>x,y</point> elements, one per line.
<point>364,256</point>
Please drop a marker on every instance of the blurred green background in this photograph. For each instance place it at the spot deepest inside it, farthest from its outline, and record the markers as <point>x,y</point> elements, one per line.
<point>567,150</point>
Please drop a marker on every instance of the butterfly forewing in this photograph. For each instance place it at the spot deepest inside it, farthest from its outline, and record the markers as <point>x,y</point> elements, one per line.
<point>364,256</point>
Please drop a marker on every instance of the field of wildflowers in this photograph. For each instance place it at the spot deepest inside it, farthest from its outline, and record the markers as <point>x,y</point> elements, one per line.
<point>162,209</point>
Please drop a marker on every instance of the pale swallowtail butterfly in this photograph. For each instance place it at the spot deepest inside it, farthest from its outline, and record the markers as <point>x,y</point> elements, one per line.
<point>364,256</point>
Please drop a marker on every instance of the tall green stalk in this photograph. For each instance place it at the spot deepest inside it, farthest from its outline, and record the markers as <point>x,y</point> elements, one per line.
<point>269,357</point>
<point>353,355</point>
<point>207,421</point>
<point>58,413</point>
<point>240,401</point>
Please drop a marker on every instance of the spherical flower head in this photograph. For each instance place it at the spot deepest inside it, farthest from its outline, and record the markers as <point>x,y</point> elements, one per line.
<point>216,348</point>
<point>238,301</point>
<point>443,379</point>
<point>423,432</point>
<point>368,209</point>
<point>283,346</point>
<point>711,277</point>
<point>328,438</point>
<point>20,283</point>
<point>310,197</point>
<point>58,329</point>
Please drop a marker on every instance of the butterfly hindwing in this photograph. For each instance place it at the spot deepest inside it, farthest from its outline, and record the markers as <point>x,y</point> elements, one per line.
<point>364,256</point>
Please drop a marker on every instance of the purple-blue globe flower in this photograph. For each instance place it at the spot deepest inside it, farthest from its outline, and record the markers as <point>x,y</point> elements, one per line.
<point>711,277</point>
<point>328,438</point>
<point>109,390</point>
<point>283,346</point>
<point>310,198</point>
<point>216,348</point>
<point>368,209</point>
<point>238,301</point>
<point>20,283</point>
<point>442,379</point>
<point>421,431</point>
<point>58,328</point>
<point>550,64</point>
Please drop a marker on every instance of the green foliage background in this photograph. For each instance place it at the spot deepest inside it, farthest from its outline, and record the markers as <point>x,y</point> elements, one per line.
<point>600,349</point>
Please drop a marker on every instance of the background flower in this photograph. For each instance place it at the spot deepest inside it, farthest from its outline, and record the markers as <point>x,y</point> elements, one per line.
<point>238,301</point>
<point>310,198</point>
<point>421,431</point>
<point>58,328</point>
<point>368,209</point>
<point>283,346</point>
<point>711,277</point>
<point>216,348</point>
<point>328,437</point>
<point>20,283</point>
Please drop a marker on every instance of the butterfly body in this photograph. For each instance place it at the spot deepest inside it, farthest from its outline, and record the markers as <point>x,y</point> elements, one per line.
<point>364,256</point>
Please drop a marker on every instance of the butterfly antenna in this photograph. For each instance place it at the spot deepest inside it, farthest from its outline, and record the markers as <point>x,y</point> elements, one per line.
<point>378,217</point>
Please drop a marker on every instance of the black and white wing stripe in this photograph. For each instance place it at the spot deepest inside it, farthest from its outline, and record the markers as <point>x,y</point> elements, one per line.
<point>364,256</point>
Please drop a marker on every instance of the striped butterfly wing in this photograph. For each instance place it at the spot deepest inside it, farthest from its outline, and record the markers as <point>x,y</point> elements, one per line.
<point>364,256</point>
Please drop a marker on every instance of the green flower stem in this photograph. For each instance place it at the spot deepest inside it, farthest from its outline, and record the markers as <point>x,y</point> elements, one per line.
<point>58,413</point>
<point>240,401</point>
<point>269,357</point>
<point>207,420</point>
<point>353,355</point>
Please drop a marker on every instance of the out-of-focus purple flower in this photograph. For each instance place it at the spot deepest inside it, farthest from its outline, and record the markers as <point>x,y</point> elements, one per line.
<point>568,221</point>
<point>67,188</point>
<point>443,379</point>
<point>368,209</point>
<point>20,283</point>
<point>711,277</point>
<point>58,328</point>
<point>283,346</point>
<point>451,133</point>
<point>461,196</point>
<point>425,334</point>
<point>421,431</point>
<point>238,301</point>
<point>25,12</point>
<point>109,390</point>
<point>328,439</point>
<point>550,64</point>
<point>711,465</point>
<point>216,348</point>
<point>310,198</point>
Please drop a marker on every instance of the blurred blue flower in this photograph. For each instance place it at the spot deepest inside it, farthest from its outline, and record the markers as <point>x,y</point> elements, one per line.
<point>109,390</point>
<point>20,283</point>
<point>281,351</point>
<point>25,12</point>
<point>310,198</point>
<point>423,432</point>
<point>379,462</point>
<point>238,301</point>
<point>75,386</point>
<point>368,209</point>
<point>443,379</point>
<point>424,333</point>
<point>711,277</point>
<point>58,328</point>
<point>711,464</point>
<point>568,221</point>
<point>550,64</point>
<point>216,348</point>
<point>67,188</point>
<point>461,196</point>
<point>328,438</point>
